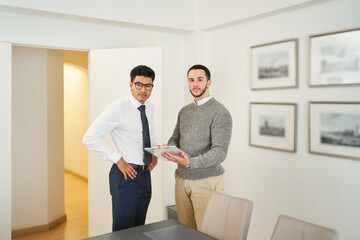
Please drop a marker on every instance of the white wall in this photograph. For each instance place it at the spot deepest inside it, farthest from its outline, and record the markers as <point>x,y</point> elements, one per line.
<point>29,164</point>
<point>5,141</point>
<point>319,189</point>
<point>37,137</point>
<point>55,135</point>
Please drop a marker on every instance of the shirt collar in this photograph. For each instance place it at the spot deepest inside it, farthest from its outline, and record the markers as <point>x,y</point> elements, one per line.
<point>134,101</point>
<point>204,100</point>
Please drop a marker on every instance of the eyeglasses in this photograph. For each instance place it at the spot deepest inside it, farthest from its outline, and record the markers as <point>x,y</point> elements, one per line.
<point>139,86</point>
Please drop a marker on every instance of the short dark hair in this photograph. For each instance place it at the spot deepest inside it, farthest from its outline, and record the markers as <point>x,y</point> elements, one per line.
<point>142,70</point>
<point>202,67</point>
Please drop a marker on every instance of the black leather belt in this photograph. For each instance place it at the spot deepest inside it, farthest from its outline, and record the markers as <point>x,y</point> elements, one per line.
<point>139,167</point>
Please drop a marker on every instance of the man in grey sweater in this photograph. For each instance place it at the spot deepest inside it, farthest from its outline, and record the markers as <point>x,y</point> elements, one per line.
<point>203,131</point>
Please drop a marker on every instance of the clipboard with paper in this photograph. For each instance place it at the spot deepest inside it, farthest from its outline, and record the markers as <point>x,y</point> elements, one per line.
<point>157,151</point>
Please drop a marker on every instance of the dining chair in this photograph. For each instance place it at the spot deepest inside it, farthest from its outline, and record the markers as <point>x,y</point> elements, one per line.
<point>227,217</point>
<point>289,228</point>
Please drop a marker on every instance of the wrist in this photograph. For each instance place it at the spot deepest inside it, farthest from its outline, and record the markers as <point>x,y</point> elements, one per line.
<point>118,162</point>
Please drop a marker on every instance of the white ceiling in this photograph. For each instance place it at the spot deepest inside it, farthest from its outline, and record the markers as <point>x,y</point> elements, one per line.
<point>184,15</point>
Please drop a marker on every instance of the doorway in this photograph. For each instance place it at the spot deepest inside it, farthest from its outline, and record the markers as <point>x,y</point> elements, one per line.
<point>39,133</point>
<point>76,96</point>
<point>76,85</point>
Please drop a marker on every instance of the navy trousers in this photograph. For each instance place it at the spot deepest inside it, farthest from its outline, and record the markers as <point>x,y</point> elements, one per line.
<point>130,198</point>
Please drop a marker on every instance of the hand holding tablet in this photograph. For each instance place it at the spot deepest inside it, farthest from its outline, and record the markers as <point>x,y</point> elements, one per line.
<point>157,151</point>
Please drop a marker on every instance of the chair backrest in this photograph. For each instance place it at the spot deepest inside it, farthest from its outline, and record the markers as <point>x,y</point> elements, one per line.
<point>288,228</point>
<point>227,217</point>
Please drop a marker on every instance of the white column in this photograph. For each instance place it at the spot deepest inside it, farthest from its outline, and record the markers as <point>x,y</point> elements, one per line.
<point>5,140</point>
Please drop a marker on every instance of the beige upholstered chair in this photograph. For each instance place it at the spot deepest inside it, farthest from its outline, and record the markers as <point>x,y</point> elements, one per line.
<point>288,228</point>
<point>227,217</point>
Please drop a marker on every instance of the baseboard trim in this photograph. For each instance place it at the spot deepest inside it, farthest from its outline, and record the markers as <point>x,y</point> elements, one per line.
<point>76,175</point>
<point>29,230</point>
<point>38,229</point>
<point>57,222</point>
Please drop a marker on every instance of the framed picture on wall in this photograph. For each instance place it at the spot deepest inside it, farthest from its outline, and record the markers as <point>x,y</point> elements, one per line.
<point>273,126</point>
<point>334,129</point>
<point>335,59</point>
<point>274,65</point>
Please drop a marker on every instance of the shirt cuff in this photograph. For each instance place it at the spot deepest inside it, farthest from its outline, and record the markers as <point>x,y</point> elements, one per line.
<point>115,157</point>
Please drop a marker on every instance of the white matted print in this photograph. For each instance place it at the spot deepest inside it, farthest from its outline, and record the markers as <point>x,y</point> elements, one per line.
<point>335,59</point>
<point>274,65</point>
<point>273,126</point>
<point>335,129</point>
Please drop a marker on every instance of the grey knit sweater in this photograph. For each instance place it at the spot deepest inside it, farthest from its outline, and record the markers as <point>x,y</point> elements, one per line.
<point>204,133</point>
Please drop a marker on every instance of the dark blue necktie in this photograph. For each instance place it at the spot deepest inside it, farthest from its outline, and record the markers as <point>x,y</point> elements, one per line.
<point>146,134</point>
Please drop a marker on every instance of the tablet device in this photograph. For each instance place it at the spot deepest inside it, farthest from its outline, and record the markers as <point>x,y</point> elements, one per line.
<point>156,151</point>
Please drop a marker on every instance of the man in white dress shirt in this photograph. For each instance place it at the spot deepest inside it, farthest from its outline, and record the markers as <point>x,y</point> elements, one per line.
<point>130,121</point>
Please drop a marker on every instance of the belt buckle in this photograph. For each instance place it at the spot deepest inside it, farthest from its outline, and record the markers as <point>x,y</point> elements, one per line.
<point>145,167</point>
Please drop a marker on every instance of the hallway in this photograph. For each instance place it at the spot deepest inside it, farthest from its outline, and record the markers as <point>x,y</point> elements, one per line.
<point>76,209</point>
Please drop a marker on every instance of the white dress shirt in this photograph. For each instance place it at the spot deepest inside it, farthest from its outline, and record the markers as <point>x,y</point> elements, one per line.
<point>122,119</point>
<point>202,101</point>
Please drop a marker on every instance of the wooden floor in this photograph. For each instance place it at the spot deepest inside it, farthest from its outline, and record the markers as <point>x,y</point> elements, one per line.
<point>76,209</point>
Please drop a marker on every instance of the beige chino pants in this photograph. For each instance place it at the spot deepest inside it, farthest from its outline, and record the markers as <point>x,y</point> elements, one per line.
<point>192,197</point>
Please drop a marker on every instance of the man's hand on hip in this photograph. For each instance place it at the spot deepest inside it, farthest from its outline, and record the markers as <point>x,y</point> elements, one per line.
<point>126,169</point>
